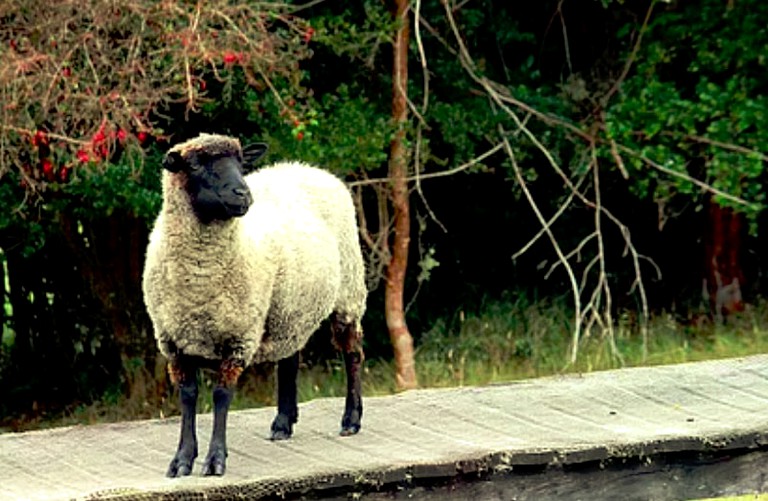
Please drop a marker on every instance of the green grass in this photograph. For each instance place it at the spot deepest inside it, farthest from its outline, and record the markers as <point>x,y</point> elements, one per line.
<point>746,497</point>
<point>503,342</point>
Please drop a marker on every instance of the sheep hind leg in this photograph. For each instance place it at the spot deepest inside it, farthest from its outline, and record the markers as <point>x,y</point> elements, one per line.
<point>184,376</point>
<point>216,460</point>
<point>287,406</point>
<point>347,338</point>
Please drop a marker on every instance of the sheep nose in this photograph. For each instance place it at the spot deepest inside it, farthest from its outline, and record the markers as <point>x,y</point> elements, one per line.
<point>243,194</point>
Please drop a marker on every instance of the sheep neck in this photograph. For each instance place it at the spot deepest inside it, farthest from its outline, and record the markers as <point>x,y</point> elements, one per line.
<point>188,237</point>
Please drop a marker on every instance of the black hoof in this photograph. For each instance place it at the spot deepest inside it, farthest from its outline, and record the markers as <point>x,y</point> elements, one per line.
<point>215,464</point>
<point>349,430</point>
<point>282,428</point>
<point>180,466</point>
<point>350,423</point>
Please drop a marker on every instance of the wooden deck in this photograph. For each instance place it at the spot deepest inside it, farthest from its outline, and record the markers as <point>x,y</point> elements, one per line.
<point>534,437</point>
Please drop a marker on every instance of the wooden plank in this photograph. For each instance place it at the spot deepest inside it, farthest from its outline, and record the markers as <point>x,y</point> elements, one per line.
<point>415,438</point>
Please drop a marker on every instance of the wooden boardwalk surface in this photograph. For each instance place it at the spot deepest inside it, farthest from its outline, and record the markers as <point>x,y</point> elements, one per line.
<point>414,438</point>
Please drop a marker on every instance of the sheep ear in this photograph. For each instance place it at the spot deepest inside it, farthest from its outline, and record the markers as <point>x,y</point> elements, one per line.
<point>253,152</point>
<point>173,161</point>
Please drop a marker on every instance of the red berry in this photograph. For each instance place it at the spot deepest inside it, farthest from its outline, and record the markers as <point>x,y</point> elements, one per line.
<point>39,139</point>
<point>82,156</point>
<point>141,136</point>
<point>98,137</point>
<point>308,34</point>
<point>121,135</point>
<point>230,57</point>
<point>64,174</point>
<point>66,72</point>
<point>47,167</point>
<point>299,136</point>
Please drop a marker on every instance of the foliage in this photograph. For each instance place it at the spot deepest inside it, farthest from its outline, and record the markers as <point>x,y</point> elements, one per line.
<point>86,85</point>
<point>695,102</point>
<point>343,131</point>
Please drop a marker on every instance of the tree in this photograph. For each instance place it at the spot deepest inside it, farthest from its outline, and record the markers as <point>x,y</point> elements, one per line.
<point>402,341</point>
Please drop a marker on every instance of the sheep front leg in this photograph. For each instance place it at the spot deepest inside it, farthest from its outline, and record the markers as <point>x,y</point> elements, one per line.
<point>184,376</point>
<point>216,460</point>
<point>287,406</point>
<point>348,339</point>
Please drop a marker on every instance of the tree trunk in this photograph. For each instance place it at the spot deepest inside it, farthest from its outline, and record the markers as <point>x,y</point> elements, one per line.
<point>402,342</point>
<point>724,276</point>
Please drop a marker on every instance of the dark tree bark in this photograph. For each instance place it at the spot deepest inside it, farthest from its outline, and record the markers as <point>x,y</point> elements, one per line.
<point>400,336</point>
<point>110,253</point>
<point>724,275</point>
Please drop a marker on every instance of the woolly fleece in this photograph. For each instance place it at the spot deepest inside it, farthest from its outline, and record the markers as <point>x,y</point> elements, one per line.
<point>253,288</point>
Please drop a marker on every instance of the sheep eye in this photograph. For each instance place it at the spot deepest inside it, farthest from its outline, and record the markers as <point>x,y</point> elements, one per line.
<point>199,162</point>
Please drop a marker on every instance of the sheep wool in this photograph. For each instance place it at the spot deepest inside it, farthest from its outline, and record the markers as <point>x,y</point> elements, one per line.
<point>256,287</point>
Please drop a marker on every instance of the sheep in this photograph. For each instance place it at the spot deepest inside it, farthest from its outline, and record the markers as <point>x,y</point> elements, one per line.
<point>241,268</point>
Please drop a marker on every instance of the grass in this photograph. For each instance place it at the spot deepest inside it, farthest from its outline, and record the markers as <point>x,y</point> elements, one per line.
<point>503,342</point>
<point>746,497</point>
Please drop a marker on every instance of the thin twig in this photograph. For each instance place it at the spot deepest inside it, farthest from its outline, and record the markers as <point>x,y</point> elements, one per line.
<point>555,245</point>
<point>431,175</point>
<point>631,59</point>
<point>565,36</point>
<point>726,146</point>
<point>563,206</point>
<point>686,177</point>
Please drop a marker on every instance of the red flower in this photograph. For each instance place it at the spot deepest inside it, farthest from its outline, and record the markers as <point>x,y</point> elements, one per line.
<point>299,136</point>
<point>308,34</point>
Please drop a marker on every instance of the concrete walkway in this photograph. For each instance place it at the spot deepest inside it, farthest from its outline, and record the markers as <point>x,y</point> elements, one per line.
<point>433,438</point>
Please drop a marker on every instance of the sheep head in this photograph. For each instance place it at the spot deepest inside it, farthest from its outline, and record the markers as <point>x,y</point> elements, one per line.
<point>213,168</point>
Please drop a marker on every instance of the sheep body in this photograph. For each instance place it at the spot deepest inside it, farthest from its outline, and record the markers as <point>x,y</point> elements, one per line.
<point>278,270</point>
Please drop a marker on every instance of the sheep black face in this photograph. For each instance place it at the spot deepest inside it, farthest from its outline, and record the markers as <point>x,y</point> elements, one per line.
<point>215,182</point>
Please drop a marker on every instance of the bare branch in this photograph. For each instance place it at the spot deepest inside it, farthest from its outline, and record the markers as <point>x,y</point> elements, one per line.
<point>727,146</point>
<point>555,245</point>
<point>631,59</point>
<point>681,175</point>
<point>431,175</point>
